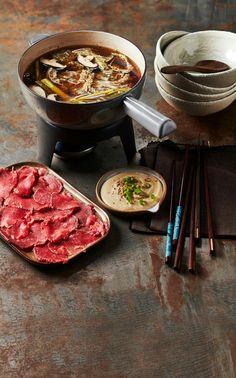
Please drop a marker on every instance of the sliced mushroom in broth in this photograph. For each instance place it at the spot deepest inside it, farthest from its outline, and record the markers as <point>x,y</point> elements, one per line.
<point>82,74</point>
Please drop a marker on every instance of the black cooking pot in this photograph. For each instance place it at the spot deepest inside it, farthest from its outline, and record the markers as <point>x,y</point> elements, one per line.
<point>93,115</point>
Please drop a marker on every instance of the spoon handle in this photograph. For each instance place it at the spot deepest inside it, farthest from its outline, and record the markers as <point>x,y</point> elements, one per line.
<point>183,68</point>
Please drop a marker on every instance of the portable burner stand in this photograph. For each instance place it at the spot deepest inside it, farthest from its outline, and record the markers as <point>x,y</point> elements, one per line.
<point>49,135</point>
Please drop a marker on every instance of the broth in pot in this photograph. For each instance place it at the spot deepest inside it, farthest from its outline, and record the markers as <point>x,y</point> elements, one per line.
<point>82,74</point>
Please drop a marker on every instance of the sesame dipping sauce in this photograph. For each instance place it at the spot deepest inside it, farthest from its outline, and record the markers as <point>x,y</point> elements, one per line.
<point>132,191</point>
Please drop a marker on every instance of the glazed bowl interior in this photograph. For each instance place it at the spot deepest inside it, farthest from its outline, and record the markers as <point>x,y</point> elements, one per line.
<point>163,41</point>
<point>209,44</point>
<point>204,45</point>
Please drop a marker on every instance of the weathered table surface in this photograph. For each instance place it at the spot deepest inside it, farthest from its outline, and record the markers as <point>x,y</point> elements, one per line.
<point>116,311</point>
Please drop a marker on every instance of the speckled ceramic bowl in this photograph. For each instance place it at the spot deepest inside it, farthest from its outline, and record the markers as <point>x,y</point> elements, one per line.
<point>184,80</point>
<point>208,44</point>
<point>198,108</point>
<point>190,95</point>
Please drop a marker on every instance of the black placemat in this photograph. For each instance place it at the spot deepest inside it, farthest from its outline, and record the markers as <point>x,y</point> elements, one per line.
<point>221,168</point>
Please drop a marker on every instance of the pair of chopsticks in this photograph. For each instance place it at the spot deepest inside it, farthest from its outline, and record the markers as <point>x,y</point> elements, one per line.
<point>194,232</point>
<point>196,227</point>
<point>190,180</point>
<point>181,238</point>
<point>170,225</point>
<point>208,205</point>
<point>175,225</point>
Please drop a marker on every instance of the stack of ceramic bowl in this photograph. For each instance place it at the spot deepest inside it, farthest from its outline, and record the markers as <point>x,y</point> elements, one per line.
<point>197,93</point>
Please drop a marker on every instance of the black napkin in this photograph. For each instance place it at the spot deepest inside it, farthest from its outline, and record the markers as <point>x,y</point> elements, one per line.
<point>221,168</point>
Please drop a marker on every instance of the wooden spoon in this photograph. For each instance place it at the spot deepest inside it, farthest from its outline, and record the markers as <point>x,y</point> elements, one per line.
<point>204,66</point>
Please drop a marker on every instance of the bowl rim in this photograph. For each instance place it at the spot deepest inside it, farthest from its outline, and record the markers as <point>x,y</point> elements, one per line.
<point>200,103</point>
<point>185,92</point>
<point>204,32</point>
<point>195,83</point>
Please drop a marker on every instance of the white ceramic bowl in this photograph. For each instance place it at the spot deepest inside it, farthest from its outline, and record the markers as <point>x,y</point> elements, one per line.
<point>201,108</point>
<point>183,82</point>
<point>208,44</point>
<point>180,80</point>
<point>168,37</point>
<point>190,95</point>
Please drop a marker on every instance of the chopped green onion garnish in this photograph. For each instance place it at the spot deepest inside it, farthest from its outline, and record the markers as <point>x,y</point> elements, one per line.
<point>55,89</point>
<point>106,93</point>
<point>153,197</point>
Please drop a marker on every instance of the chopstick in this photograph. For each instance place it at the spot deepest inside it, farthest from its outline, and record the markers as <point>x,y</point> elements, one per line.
<point>197,195</point>
<point>179,209</point>
<point>181,239</point>
<point>208,205</point>
<point>170,225</point>
<point>192,246</point>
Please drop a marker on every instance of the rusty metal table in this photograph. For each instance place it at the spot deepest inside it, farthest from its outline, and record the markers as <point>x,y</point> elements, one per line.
<point>116,311</point>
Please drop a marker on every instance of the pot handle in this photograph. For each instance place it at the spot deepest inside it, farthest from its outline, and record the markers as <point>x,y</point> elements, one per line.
<point>155,122</point>
<point>37,38</point>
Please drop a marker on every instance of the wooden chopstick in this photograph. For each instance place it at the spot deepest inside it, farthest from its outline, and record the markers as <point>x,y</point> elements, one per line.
<point>197,195</point>
<point>208,205</point>
<point>179,209</point>
<point>170,225</point>
<point>192,246</point>
<point>181,239</point>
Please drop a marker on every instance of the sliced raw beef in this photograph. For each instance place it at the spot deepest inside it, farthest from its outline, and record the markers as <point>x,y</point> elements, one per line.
<point>77,242</point>
<point>53,184</point>
<point>26,179</point>
<point>64,201</point>
<point>24,203</point>
<point>39,215</point>
<point>60,230</point>
<point>49,183</point>
<point>10,215</point>
<point>89,220</point>
<point>42,171</point>
<point>43,197</point>
<point>36,236</point>
<point>51,215</point>
<point>97,228</point>
<point>44,254</point>
<point>8,181</point>
<point>18,231</point>
<point>85,214</point>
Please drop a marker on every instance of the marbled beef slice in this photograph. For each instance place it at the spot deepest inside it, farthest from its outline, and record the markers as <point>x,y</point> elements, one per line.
<point>49,182</point>
<point>51,215</point>
<point>27,177</point>
<point>8,181</point>
<point>43,197</point>
<point>60,230</point>
<point>77,242</point>
<point>24,203</point>
<point>88,218</point>
<point>44,254</point>
<point>64,201</point>
<point>10,215</point>
<point>36,235</point>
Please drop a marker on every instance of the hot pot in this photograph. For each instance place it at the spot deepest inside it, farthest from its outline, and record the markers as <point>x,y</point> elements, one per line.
<point>93,115</point>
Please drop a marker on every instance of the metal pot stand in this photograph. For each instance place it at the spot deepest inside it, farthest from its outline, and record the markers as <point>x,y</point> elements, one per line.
<point>70,143</point>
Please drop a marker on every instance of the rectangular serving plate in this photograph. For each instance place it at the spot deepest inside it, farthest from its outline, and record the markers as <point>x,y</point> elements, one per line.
<point>29,255</point>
